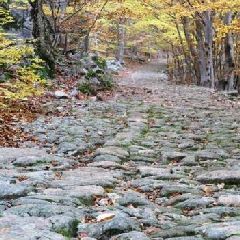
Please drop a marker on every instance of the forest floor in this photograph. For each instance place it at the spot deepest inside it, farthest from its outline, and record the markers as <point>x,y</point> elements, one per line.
<point>154,161</point>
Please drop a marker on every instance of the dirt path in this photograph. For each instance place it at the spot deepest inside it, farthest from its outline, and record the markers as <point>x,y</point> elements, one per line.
<point>158,161</point>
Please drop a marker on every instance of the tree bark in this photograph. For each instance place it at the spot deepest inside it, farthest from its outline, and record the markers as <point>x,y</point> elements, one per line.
<point>121,42</point>
<point>208,29</point>
<point>44,34</point>
<point>229,55</point>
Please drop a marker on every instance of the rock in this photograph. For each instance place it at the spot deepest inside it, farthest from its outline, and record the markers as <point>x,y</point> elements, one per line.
<point>134,198</point>
<point>131,235</point>
<point>220,231</point>
<point>196,202</point>
<point>85,194</point>
<point>145,214</point>
<point>229,200</point>
<point>112,150</point>
<point>60,94</point>
<point>66,147</point>
<point>10,191</point>
<point>64,224</point>
<point>175,231</point>
<point>233,238</point>
<point>8,155</point>
<point>105,164</point>
<point>108,158</point>
<point>173,156</point>
<point>186,238</point>
<point>233,93</point>
<point>160,173</point>
<point>86,176</point>
<point>185,145</point>
<point>26,228</point>
<point>88,238</point>
<point>119,224</point>
<point>220,176</point>
<point>32,161</point>
<point>114,65</point>
<point>105,216</point>
<point>42,210</point>
<point>212,154</point>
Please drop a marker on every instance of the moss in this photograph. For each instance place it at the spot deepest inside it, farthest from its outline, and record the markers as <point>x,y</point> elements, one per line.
<point>91,74</point>
<point>70,232</point>
<point>144,131</point>
<point>85,88</point>
<point>150,112</point>
<point>86,201</point>
<point>108,190</point>
<point>101,63</point>
<point>107,82</point>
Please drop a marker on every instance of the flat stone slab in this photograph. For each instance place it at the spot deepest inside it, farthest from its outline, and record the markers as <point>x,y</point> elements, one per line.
<point>210,154</point>
<point>173,156</point>
<point>161,173</point>
<point>78,191</point>
<point>229,200</point>
<point>131,235</point>
<point>8,155</point>
<point>120,222</point>
<point>86,176</point>
<point>222,176</point>
<point>112,150</point>
<point>220,231</point>
<point>26,228</point>
<point>10,191</point>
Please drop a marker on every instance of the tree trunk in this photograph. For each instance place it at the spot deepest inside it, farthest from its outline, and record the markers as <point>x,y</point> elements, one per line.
<point>208,29</point>
<point>121,42</point>
<point>229,55</point>
<point>192,49</point>
<point>201,54</point>
<point>43,32</point>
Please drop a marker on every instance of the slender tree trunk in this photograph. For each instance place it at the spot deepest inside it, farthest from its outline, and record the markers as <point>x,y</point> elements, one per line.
<point>208,28</point>
<point>229,54</point>
<point>192,49</point>
<point>121,42</point>
<point>201,54</point>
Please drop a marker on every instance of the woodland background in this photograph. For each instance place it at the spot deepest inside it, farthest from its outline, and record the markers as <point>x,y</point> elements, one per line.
<point>41,39</point>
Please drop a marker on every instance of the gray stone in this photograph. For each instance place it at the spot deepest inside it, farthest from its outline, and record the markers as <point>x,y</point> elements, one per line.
<point>112,150</point>
<point>9,155</point>
<point>63,223</point>
<point>160,173</point>
<point>220,176</point>
<point>196,202</point>
<point>185,145</point>
<point>86,176</point>
<point>41,210</point>
<point>8,191</point>
<point>186,238</point>
<point>131,236</point>
<point>84,193</point>
<point>30,161</point>
<point>210,154</point>
<point>233,238</point>
<point>134,198</point>
<point>119,224</point>
<point>229,200</point>
<point>173,156</point>
<point>105,164</point>
<point>105,157</point>
<point>26,228</point>
<point>220,231</point>
<point>60,94</point>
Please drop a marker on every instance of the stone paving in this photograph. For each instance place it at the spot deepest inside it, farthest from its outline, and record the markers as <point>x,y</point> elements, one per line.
<point>159,161</point>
